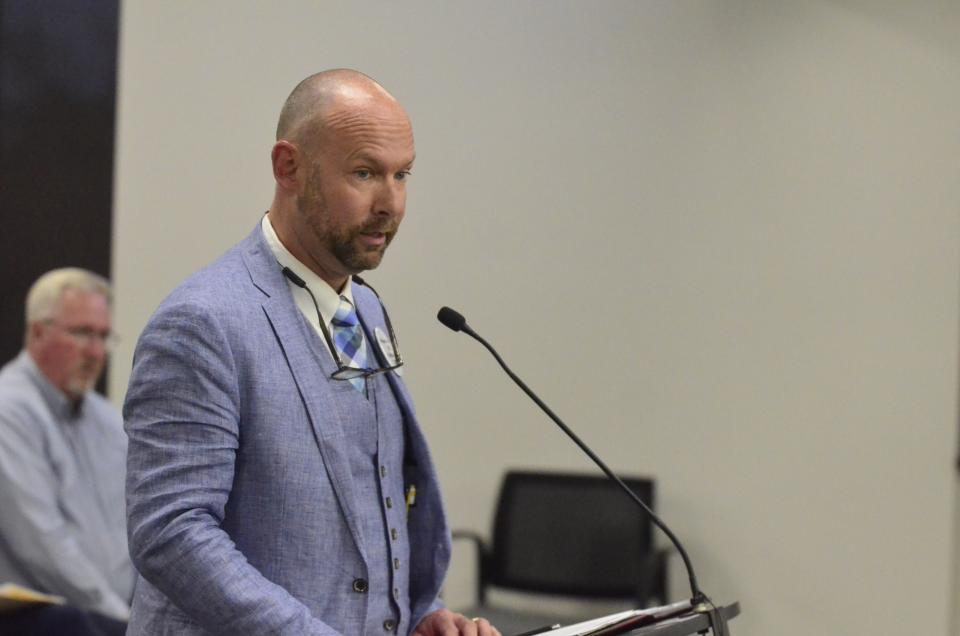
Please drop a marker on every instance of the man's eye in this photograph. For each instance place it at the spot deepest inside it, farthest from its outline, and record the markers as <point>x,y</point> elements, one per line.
<point>403,175</point>
<point>362,174</point>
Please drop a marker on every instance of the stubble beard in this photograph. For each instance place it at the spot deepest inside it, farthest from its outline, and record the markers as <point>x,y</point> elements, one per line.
<point>344,246</point>
<point>342,242</point>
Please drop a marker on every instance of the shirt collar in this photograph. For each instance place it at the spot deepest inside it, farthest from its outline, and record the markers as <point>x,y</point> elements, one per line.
<point>58,402</point>
<point>328,300</point>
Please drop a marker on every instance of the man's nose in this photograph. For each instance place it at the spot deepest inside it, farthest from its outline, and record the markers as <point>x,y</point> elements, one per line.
<point>96,345</point>
<point>97,348</point>
<point>392,198</point>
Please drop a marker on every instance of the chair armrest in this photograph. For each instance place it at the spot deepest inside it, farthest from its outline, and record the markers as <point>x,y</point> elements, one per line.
<point>482,560</point>
<point>468,534</point>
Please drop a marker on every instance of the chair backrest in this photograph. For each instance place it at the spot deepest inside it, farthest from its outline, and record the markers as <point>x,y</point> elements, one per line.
<point>570,534</point>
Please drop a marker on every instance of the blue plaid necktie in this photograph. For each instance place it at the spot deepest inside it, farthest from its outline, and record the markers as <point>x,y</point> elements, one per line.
<point>348,339</point>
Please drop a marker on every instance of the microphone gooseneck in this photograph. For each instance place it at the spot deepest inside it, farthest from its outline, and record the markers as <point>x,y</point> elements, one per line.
<point>456,322</point>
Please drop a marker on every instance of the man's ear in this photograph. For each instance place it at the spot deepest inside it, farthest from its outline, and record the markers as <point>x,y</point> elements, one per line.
<point>35,330</point>
<point>285,157</point>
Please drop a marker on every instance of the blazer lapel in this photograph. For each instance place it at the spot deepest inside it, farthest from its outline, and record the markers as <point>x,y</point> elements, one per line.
<point>427,525</point>
<point>371,318</point>
<point>311,365</point>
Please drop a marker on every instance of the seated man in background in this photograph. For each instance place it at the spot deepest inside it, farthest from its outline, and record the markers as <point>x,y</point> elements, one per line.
<point>62,463</point>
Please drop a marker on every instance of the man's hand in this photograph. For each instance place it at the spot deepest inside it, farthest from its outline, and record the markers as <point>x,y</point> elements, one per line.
<point>443,622</point>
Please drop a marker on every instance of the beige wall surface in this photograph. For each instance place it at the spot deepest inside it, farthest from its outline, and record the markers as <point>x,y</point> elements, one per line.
<point>721,239</point>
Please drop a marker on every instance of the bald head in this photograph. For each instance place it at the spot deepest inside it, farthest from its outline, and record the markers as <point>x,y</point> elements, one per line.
<point>316,97</point>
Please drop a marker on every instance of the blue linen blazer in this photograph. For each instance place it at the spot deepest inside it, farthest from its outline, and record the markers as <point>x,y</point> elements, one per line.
<point>241,510</point>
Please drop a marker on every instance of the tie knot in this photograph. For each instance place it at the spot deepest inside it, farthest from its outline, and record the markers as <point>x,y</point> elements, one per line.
<point>346,316</point>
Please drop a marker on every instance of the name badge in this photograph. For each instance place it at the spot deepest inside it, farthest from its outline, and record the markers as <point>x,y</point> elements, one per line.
<point>387,348</point>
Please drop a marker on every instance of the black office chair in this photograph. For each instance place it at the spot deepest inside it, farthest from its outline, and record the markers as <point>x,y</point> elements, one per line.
<point>572,535</point>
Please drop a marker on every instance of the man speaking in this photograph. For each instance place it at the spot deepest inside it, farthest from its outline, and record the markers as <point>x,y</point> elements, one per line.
<point>278,481</point>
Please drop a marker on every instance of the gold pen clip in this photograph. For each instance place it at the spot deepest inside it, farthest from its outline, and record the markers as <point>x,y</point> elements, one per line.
<point>411,496</point>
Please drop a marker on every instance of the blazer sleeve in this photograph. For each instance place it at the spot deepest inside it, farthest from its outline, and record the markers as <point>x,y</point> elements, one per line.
<point>182,415</point>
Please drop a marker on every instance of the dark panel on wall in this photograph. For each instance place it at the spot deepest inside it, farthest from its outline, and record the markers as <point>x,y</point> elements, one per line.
<point>58,68</point>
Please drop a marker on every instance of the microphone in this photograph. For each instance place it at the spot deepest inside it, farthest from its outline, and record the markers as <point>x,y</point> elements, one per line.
<point>454,320</point>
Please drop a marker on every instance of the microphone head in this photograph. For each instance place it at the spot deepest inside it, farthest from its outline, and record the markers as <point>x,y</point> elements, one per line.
<point>451,318</point>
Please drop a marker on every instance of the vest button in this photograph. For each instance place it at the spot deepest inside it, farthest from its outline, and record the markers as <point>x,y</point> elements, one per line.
<point>360,585</point>
<point>389,502</point>
<point>389,625</point>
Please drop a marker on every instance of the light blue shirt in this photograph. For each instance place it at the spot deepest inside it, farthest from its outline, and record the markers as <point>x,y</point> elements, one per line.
<point>62,513</point>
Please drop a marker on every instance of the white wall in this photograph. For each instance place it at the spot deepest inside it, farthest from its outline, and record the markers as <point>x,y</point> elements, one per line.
<point>721,239</point>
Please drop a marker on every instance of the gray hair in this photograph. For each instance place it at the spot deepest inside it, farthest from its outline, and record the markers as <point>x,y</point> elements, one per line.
<point>44,294</point>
